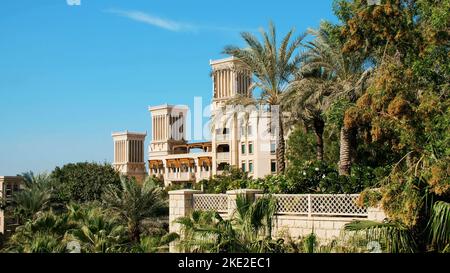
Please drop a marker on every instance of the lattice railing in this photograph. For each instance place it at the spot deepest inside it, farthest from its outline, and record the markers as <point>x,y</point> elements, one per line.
<point>216,202</point>
<point>336,204</point>
<point>290,203</point>
<point>319,204</point>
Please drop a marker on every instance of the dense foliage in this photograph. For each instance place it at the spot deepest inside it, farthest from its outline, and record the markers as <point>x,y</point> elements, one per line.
<point>249,229</point>
<point>84,181</point>
<point>368,103</point>
<point>405,111</point>
<point>122,220</point>
<point>308,177</point>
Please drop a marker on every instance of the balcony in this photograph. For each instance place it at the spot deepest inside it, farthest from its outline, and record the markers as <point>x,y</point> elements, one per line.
<point>204,175</point>
<point>182,176</point>
<point>224,156</point>
<point>222,137</point>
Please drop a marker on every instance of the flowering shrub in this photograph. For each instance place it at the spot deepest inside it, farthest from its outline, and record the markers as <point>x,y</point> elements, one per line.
<point>312,177</point>
<point>309,177</point>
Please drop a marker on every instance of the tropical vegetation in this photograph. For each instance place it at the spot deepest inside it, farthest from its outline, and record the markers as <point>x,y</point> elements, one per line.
<point>365,101</point>
<point>125,218</point>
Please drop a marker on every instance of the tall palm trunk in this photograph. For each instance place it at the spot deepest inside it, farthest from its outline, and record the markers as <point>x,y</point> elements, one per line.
<point>281,165</point>
<point>135,231</point>
<point>345,157</point>
<point>319,126</point>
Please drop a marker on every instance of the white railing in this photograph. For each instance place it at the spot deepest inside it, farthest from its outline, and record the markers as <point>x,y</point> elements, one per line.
<point>222,137</point>
<point>216,202</point>
<point>181,176</point>
<point>204,174</point>
<point>333,205</point>
<point>319,204</point>
<point>223,156</point>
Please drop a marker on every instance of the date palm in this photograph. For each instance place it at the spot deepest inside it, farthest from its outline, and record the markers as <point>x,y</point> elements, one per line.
<point>135,203</point>
<point>36,195</point>
<point>98,231</point>
<point>348,79</point>
<point>43,234</point>
<point>397,237</point>
<point>307,102</point>
<point>155,244</point>
<point>273,66</point>
<point>248,230</point>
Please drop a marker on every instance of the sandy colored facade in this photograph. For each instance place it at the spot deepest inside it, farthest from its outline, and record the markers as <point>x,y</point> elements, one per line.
<point>8,185</point>
<point>240,137</point>
<point>129,154</point>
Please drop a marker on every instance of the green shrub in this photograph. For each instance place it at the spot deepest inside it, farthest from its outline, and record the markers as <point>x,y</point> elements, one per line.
<point>83,182</point>
<point>270,184</point>
<point>231,179</point>
<point>319,177</point>
<point>310,177</point>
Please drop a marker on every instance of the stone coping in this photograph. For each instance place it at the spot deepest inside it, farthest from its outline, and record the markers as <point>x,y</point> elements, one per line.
<point>185,191</point>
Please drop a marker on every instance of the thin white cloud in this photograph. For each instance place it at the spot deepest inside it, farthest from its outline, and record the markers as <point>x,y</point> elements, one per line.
<point>152,20</point>
<point>168,24</point>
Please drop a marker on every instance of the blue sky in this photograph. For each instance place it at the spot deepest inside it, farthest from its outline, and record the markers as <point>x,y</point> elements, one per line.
<point>71,75</point>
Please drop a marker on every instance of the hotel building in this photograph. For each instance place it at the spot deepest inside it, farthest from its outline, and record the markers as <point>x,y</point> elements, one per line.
<point>8,185</point>
<point>242,137</point>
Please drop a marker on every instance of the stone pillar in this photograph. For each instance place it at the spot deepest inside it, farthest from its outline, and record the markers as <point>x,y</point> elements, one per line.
<point>180,205</point>
<point>232,195</point>
<point>197,170</point>
<point>376,214</point>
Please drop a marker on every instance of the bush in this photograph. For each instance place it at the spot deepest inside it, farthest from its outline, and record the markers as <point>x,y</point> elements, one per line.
<point>301,146</point>
<point>309,177</point>
<point>270,184</point>
<point>319,177</point>
<point>83,182</point>
<point>231,179</point>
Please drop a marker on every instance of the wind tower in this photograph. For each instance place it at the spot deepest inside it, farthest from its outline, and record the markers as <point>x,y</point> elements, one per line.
<point>129,154</point>
<point>230,77</point>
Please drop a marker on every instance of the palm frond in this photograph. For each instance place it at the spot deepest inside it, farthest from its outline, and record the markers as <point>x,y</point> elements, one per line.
<point>439,225</point>
<point>392,235</point>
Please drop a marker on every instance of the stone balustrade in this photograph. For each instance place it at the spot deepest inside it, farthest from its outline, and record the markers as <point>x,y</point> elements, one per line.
<point>297,215</point>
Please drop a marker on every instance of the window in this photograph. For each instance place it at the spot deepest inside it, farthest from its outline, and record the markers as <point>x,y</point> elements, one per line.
<point>250,166</point>
<point>273,166</point>
<point>243,166</point>
<point>222,131</point>
<point>273,147</point>
<point>242,129</point>
<point>243,148</point>
<point>250,148</point>
<point>250,132</point>
<point>8,192</point>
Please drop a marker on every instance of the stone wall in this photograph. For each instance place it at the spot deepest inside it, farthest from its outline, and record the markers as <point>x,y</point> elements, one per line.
<point>284,225</point>
<point>294,226</point>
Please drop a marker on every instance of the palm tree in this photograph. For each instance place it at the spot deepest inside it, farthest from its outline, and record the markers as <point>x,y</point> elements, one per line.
<point>98,231</point>
<point>249,229</point>
<point>135,203</point>
<point>396,237</point>
<point>155,244</point>
<point>273,67</point>
<point>43,234</point>
<point>35,196</point>
<point>307,101</point>
<point>348,78</point>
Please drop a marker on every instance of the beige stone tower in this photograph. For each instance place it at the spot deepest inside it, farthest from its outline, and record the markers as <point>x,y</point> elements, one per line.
<point>168,128</point>
<point>129,154</point>
<point>230,77</point>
